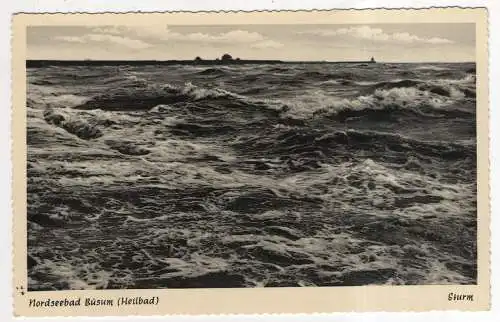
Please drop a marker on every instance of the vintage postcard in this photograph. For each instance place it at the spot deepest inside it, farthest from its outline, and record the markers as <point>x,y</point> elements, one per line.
<point>250,162</point>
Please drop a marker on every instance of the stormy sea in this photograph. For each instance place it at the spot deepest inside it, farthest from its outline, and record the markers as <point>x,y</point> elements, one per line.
<point>251,175</point>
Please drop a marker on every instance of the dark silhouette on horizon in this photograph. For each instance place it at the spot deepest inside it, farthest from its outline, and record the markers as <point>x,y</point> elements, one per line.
<point>225,59</point>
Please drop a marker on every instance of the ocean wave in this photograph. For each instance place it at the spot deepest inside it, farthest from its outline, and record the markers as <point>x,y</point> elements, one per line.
<point>86,128</point>
<point>52,97</point>
<point>399,143</point>
<point>127,80</point>
<point>194,129</point>
<point>127,147</point>
<point>212,72</point>
<point>469,79</point>
<point>151,96</point>
<point>319,145</point>
<point>387,102</point>
<point>431,68</point>
<point>278,69</point>
<point>255,90</point>
<point>454,88</point>
<point>397,84</point>
<point>350,75</point>
<point>161,108</point>
<point>199,93</point>
<point>43,82</point>
<point>414,96</point>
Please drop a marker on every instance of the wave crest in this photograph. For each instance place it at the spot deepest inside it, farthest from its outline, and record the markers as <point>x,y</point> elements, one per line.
<point>151,96</point>
<point>407,100</point>
<point>86,128</point>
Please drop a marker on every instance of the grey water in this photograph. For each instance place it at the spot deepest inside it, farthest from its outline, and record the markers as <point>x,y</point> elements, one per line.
<point>251,175</point>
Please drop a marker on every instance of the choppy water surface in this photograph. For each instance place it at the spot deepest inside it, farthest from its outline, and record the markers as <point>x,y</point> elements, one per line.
<point>244,176</point>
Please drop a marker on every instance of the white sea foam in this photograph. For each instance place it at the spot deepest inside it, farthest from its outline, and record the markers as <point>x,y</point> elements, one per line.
<point>432,68</point>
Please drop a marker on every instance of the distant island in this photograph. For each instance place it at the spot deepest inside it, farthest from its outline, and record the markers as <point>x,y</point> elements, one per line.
<point>225,59</point>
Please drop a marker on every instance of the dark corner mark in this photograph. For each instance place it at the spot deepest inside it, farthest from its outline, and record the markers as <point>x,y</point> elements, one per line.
<point>21,289</point>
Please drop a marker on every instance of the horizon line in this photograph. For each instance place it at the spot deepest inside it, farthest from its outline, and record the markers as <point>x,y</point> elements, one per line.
<point>240,60</point>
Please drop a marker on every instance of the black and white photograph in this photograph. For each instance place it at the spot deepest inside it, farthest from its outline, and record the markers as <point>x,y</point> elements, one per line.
<point>251,155</point>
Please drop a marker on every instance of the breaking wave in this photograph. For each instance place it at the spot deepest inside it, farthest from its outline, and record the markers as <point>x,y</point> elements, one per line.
<point>151,96</point>
<point>84,128</point>
<point>392,102</point>
<point>411,97</point>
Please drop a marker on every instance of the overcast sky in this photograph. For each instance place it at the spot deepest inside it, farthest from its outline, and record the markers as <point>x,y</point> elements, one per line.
<point>386,42</point>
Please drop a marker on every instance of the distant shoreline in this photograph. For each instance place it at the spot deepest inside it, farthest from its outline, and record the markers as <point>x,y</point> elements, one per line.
<point>42,63</point>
